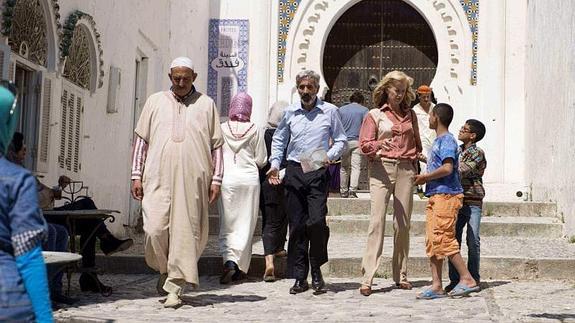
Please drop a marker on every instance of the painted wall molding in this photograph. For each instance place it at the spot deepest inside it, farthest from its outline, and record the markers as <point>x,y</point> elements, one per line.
<point>314,19</point>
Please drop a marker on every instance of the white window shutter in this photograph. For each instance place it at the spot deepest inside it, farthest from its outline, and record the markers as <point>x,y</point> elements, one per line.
<point>45,100</point>
<point>78,111</point>
<point>12,70</point>
<point>63,127</point>
<point>71,127</point>
<point>5,61</point>
<point>70,130</point>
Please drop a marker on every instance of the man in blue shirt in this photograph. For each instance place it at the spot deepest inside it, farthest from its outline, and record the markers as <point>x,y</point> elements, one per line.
<point>307,126</point>
<point>352,115</point>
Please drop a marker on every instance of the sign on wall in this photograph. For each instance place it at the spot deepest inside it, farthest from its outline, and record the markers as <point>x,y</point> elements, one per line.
<point>228,60</point>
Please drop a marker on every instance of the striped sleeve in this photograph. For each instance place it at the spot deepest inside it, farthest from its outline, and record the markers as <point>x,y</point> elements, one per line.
<point>218,162</point>
<point>139,154</point>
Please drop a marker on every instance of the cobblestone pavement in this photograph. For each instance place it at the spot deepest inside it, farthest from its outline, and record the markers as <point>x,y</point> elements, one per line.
<point>135,300</point>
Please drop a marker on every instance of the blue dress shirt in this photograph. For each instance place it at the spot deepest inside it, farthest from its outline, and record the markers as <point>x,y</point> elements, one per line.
<point>306,130</point>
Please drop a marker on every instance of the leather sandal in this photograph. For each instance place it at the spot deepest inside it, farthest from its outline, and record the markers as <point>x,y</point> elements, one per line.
<point>404,285</point>
<point>269,276</point>
<point>365,290</point>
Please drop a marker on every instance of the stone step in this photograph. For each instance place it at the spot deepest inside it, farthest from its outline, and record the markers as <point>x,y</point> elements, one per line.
<point>513,226</point>
<point>501,258</point>
<point>361,206</point>
<point>529,227</point>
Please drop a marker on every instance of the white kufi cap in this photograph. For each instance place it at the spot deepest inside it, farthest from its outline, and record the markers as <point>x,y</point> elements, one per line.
<point>182,62</point>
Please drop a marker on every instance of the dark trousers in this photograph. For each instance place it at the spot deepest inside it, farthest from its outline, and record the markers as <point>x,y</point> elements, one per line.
<point>274,217</point>
<point>306,204</point>
<point>84,228</point>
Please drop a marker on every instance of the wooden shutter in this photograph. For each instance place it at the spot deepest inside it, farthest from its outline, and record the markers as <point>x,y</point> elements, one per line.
<point>45,99</point>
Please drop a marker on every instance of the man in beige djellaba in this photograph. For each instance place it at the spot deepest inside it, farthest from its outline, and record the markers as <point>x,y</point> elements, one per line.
<point>177,171</point>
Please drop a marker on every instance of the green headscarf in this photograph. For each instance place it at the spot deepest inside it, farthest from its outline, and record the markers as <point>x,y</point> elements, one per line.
<point>8,118</point>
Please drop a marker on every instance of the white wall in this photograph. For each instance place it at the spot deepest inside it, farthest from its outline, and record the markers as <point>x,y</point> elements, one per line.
<point>550,104</point>
<point>128,29</point>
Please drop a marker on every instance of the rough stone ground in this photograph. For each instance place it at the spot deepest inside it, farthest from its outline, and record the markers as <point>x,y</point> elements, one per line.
<point>135,300</point>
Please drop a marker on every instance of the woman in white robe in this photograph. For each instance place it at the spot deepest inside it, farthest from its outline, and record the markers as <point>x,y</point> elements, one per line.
<point>244,153</point>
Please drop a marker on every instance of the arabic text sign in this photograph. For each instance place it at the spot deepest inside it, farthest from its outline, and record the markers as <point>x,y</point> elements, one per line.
<point>228,59</point>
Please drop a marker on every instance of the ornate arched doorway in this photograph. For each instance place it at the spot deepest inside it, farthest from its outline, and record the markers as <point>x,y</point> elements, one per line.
<point>372,38</point>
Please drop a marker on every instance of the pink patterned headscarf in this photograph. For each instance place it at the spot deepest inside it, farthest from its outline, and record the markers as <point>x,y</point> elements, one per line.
<point>241,107</point>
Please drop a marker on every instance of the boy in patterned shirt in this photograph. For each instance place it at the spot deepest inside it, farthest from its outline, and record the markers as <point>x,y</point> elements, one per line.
<point>472,165</point>
<point>445,199</point>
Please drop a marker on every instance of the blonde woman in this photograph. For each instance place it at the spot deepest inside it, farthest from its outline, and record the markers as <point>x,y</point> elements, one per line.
<point>389,136</point>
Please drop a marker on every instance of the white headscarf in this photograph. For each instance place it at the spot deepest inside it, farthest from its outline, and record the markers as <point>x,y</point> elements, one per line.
<point>182,62</point>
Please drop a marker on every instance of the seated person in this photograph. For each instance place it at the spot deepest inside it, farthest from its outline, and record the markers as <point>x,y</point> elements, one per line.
<point>57,241</point>
<point>46,196</point>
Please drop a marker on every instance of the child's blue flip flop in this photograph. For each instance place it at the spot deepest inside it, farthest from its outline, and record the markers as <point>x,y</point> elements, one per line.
<point>463,290</point>
<point>430,294</point>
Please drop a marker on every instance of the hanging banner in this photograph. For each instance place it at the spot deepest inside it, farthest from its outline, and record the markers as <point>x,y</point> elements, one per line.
<point>228,60</point>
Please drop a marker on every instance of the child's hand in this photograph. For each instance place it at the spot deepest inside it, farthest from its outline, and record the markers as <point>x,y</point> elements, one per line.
<point>419,179</point>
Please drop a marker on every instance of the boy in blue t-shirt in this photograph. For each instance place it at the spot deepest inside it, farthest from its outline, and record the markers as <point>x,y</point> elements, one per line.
<point>445,199</point>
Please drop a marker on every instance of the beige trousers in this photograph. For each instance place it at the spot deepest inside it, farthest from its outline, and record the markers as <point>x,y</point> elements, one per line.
<point>350,167</point>
<point>389,177</point>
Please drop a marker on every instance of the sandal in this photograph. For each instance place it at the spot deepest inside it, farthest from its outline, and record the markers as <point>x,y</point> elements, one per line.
<point>463,290</point>
<point>404,285</point>
<point>430,294</point>
<point>365,290</point>
<point>269,276</point>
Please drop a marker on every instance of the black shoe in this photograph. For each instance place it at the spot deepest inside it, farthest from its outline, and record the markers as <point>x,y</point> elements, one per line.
<point>317,282</point>
<point>91,283</point>
<point>352,195</point>
<point>239,275</point>
<point>230,271</point>
<point>299,286</point>
<point>110,244</point>
<point>62,299</point>
<point>344,195</point>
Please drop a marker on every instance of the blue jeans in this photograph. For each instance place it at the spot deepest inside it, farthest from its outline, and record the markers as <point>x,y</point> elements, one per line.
<point>57,241</point>
<point>469,215</point>
<point>15,305</point>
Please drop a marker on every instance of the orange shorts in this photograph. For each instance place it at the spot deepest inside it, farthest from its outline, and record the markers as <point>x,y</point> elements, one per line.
<point>441,216</point>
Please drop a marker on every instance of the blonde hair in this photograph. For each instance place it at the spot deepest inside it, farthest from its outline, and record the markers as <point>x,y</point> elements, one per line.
<point>380,93</point>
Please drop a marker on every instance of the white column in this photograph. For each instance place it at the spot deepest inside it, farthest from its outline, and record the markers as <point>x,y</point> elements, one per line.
<point>260,76</point>
<point>491,86</point>
<point>515,43</point>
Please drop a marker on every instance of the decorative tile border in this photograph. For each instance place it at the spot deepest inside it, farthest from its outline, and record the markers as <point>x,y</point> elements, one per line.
<point>228,60</point>
<point>471,8</point>
<point>287,10</point>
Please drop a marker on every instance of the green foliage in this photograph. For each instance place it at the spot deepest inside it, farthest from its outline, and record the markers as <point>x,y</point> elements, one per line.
<point>68,32</point>
<point>7,16</point>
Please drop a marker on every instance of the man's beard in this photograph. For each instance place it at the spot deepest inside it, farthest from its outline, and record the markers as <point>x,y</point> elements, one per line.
<point>307,98</point>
